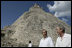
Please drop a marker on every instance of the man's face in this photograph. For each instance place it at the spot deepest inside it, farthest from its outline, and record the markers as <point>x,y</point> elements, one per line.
<point>44,33</point>
<point>58,30</point>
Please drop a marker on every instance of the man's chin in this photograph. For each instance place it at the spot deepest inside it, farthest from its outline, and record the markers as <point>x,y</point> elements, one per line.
<point>44,37</point>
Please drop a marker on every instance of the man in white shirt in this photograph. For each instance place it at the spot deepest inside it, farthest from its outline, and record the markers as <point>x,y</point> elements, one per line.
<point>30,44</point>
<point>46,41</point>
<point>64,39</point>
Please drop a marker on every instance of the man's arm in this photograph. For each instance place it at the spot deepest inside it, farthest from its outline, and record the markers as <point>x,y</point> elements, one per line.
<point>51,43</point>
<point>56,43</point>
<point>69,41</point>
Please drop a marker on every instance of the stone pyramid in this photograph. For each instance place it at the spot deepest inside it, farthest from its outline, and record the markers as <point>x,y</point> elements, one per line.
<point>30,24</point>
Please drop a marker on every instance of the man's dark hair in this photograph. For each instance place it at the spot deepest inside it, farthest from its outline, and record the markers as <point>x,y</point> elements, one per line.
<point>29,41</point>
<point>61,27</point>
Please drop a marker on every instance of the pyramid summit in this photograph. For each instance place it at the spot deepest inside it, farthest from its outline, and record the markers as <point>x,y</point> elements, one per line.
<point>36,5</point>
<point>29,27</point>
<point>36,8</point>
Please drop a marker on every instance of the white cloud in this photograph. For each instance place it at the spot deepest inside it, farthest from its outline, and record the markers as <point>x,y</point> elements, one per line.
<point>61,8</point>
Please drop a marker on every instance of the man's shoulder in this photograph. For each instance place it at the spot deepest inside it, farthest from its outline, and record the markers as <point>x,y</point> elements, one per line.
<point>49,37</point>
<point>67,35</point>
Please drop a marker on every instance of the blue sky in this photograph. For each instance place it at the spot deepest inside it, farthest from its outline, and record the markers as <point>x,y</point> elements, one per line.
<point>11,10</point>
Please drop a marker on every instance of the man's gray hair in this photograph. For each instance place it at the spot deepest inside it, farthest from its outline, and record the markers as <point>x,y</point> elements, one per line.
<point>61,27</point>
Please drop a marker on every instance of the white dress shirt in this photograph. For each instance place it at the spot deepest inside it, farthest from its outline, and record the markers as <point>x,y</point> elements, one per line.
<point>65,41</point>
<point>46,42</point>
<point>30,45</point>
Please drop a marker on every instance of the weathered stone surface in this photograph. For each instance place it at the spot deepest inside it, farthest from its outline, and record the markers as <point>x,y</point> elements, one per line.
<point>29,27</point>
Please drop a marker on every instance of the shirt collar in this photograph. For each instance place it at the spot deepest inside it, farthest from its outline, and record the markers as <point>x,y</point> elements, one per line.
<point>64,35</point>
<point>46,37</point>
